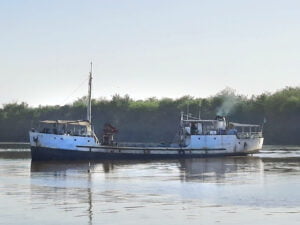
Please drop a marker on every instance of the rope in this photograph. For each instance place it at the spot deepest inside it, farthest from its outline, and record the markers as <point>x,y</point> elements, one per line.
<point>83,81</point>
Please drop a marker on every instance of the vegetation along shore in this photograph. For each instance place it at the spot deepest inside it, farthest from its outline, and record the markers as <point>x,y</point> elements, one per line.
<point>155,120</point>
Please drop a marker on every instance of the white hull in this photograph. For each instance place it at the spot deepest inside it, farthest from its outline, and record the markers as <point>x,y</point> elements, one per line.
<point>202,145</point>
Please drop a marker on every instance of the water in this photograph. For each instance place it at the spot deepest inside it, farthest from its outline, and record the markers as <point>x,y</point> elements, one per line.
<point>260,189</point>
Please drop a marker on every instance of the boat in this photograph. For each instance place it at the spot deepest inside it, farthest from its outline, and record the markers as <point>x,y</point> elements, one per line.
<point>76,140</point>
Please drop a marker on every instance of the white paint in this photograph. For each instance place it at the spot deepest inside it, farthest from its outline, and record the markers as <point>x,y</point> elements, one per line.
<point>65,142</point>
<point>198,144</point>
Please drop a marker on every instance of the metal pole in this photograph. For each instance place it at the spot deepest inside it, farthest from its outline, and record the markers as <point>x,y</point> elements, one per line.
<point>89,105</point>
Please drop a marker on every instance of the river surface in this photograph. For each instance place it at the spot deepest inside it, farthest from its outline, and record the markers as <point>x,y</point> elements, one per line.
<point>259,189</point>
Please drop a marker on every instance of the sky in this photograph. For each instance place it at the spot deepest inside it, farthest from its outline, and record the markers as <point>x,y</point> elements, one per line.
<point>146,48</point>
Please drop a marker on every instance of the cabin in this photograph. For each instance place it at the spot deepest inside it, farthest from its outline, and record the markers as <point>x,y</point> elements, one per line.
<point>65,127</point>
<point>219,126</point>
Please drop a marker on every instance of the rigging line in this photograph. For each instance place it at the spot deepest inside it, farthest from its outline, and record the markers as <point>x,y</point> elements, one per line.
<point>64,101</point>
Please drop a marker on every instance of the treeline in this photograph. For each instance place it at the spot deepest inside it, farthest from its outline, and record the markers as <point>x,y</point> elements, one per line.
<point>157,120</point>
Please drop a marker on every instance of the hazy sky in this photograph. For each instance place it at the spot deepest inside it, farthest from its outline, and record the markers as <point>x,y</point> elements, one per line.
<point>146,48</point>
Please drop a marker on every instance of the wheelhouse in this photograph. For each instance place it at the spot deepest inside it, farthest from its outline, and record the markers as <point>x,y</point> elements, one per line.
<point>219,126</point>
<point>66,127</point>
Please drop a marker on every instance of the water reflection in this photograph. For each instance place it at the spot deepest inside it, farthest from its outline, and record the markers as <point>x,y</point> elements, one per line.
<point>223,180</point>
<point>128,191</point>
<point>201,169</point>
<point>14,153</point>
<point>68,184</point>
<point>90,200</point>
<point>218,169</point>
<point>61,167</point>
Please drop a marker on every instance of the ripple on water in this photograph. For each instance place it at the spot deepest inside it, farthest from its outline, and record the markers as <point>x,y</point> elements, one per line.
<point>265,186</point>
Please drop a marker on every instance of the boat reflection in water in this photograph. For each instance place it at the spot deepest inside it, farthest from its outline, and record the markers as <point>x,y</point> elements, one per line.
<point>70,184</point>
<point>205,169</point>
<point>232,190</point>
<point>63,183</point>
<point>220,169</point>
<point>60,166</point>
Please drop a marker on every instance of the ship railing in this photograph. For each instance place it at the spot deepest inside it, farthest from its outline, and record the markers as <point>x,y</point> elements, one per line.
<point>250,135</point>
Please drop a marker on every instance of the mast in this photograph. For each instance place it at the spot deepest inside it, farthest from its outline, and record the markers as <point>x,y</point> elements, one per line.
<point>199,115</point>
<point>89,104</point>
